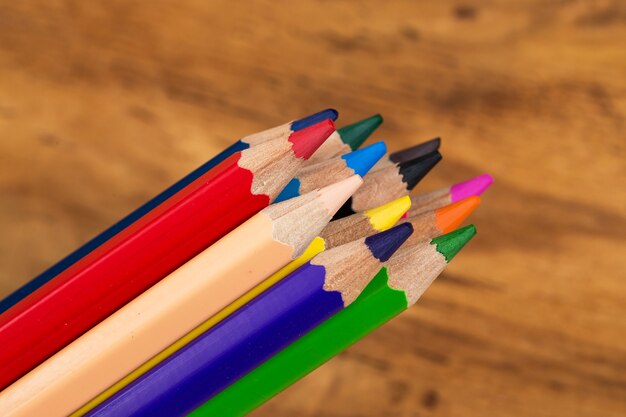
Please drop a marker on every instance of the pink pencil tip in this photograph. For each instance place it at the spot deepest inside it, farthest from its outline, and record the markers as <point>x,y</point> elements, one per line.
<point>472,187</point>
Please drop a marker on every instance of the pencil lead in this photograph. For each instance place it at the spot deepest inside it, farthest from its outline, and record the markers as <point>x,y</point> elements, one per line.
<point>451,216</point>
<point>414,170</point>
<point>314,118</point>
<point>474,186</point>
<point>415,151</point>
<point>450,244</point>
<point>355,134</point>
<point>335,195</point>
<point>384,244</point>
<point>385,216</point>
<point>362,160</point>
<point>306,141</point>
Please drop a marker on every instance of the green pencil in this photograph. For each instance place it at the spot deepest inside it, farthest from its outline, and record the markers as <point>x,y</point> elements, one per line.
<point>395,288</point>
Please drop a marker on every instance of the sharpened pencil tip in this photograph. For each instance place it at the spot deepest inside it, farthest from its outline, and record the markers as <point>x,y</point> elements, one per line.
<point>475,186</point>
<point>362,160</point>
<point>355,134</point>
<point>385,216</point>
<point>415,151</point>
<point>306,141</point>
<point>415,170</point>
<point>384,244</point>
<point>451,216</point>
<point>450,244</point>
<point>314,118</point>
<point>335,195</point>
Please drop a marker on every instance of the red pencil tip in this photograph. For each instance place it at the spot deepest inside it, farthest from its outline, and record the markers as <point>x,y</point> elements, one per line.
<point>306,141</point>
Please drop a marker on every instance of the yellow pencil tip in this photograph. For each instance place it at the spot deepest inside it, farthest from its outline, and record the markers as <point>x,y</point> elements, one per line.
<point>386,216</point>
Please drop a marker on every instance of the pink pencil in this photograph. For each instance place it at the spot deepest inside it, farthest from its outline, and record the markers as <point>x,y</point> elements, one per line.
<point>432,200</point>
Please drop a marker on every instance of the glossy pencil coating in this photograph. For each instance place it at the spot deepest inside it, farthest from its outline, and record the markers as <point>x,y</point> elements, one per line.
<point>319,175</point>
<point>431,200</point>
<point>346,139</point>
<point>384,185</point>
<point>148,250</point>
<point>175,305</point>
<point>405,155</point>
<point>240,145</point>
<point>399,284</point>
<point>266,325</point>
<point>314,248</point>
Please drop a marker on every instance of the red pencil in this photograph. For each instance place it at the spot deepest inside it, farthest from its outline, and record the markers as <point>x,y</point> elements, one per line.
<point>157,244</point>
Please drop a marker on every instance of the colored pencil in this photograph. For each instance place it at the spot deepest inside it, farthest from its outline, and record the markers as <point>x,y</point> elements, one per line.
<point>265,326</point>
<point>346,139</point>
<point>332,170</point>
<point>364,223</point>
<point>148,250</point>
<point>423,202</point>
<point>396,287</point>
<point>283,131</point>
<point>378,219</point>
<point>405,155</point>
<point>433,223</point>
<point>175,305</point>
<point>389,183</point>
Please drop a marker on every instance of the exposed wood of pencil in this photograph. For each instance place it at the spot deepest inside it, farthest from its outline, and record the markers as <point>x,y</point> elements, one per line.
<point>307,297</point>
<point>378,188</point>
<point>393,182</point>
<point>132,261</point>
<point>431,200</point>
<point>174,306</point>
<point>362,224</point>
<point>389,293</point>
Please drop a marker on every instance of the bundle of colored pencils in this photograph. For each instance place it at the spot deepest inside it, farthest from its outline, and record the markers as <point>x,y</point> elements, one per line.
<point>237,281</point>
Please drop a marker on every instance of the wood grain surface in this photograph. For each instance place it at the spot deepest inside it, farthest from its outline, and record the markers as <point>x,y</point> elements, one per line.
<point>103,104</point>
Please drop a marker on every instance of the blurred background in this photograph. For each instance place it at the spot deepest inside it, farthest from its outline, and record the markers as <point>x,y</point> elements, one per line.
<point>104,104</point>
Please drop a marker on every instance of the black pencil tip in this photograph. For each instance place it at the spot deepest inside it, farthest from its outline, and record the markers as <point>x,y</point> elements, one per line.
<point>416,151</point>
<point>415,170</point>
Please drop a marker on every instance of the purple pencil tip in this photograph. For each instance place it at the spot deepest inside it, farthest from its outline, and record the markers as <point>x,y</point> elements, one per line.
<point>472,187</point>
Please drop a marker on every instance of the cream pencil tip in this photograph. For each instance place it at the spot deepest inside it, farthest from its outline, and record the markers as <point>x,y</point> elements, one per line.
<point>335,195</point>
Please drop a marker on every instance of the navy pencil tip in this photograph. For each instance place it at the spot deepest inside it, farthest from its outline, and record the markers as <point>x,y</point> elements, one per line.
<point>415,170</point>
<point>384,244</point>
<point>314,118</point>
<point>362,160</point>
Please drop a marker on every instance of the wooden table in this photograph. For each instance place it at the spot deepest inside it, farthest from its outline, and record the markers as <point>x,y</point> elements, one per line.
<point>103,104</point>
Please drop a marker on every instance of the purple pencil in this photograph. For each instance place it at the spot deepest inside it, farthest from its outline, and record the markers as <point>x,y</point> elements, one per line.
<point>269,323</point>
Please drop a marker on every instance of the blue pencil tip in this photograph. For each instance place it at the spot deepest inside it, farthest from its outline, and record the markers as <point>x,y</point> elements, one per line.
<point>362,160</point>
<point>314,118</point>
<point>291,190</point>
<point>384,244</point>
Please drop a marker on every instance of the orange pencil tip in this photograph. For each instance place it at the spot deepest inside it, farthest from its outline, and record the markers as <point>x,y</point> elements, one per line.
<point>453,215</point>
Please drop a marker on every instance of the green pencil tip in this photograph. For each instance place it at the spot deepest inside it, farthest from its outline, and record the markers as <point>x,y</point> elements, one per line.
<point>450,244</point>
<point>355,134</point>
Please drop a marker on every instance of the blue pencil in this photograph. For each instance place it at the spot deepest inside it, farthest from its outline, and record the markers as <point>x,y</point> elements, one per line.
<point>95,242</point>
<point>269,323</point>
<point>358,162</point>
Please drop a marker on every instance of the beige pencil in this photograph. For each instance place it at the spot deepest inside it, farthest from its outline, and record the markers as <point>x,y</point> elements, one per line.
<point>175,305</point>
